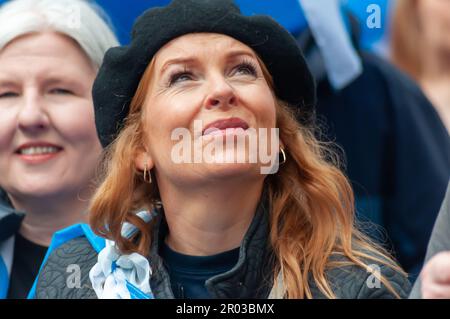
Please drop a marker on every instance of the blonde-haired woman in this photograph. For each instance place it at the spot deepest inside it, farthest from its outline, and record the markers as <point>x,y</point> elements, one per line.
<point>208,226</point>
<point>421,47</point>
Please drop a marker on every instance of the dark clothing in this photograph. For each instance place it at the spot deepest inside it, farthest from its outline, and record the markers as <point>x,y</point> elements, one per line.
<point>397,151</point>
<point>251,277</point>
<point>10,221</point>
<point>188,274</point>
<point>28,257</point>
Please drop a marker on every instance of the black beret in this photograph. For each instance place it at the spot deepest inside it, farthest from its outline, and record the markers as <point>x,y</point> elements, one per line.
<point>123,66</point>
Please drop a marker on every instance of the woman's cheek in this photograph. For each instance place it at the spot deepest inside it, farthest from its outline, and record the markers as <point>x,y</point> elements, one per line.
<point>76,122</point>
<point>8,128</point>
<point>175,115</point>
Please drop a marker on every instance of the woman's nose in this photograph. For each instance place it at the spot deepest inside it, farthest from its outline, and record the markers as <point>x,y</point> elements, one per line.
<point>221,94</point>
<point>33,117</point>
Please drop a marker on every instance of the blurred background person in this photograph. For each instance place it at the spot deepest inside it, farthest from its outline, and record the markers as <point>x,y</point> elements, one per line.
<point>434,281</point>
<point>50,52</point>
<point>421,47</point>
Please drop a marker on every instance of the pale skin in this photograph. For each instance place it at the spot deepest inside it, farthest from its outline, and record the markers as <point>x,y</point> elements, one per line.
<point>434,17</point>
<point>207,77</point>
<point>45,99</point>
<point>435,277</point>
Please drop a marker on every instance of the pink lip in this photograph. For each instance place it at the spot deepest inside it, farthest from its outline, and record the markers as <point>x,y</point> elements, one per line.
<point>223,124</point>
<point>37,158</point>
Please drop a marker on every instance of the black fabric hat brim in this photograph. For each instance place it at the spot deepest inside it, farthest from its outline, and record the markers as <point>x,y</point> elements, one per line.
<point>123,67</point>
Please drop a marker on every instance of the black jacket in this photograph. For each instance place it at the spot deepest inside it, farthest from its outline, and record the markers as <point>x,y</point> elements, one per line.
<point>10,218</point>
<point>10,221</point>
<point>251,277</point>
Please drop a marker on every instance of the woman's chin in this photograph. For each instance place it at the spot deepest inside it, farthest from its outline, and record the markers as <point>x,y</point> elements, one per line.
<point>231,170</point>
<point>39,186</point>
<point>34,191</point>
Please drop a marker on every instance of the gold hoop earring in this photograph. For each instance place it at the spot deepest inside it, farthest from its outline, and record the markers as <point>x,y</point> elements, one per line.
<point>284,155</point>
<point>147,174</point>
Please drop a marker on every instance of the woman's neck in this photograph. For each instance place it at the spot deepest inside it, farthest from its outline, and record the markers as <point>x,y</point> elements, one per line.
<point>211,220</point>
<point>45,216</point>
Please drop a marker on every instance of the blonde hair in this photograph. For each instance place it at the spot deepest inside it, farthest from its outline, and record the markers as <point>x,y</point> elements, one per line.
<point>311,203</point>
<point>405,38</point>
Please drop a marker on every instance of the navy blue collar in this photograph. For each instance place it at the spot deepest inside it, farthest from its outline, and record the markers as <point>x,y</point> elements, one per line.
<point>214,264</point>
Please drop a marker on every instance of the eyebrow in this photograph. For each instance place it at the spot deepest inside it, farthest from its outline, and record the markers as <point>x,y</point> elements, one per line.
<point>7,82</point>
<point>192,59</point>
<point>8,79</point>
<point>184,60</point>
<point>60,80</point>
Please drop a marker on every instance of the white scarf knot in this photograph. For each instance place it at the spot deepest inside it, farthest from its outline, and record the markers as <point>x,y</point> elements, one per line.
<point>113,271</point>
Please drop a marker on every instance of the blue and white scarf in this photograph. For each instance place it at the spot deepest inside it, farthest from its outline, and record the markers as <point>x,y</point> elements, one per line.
<point>117,276</point>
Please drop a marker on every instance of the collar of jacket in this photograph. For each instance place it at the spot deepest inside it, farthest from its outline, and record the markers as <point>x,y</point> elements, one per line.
<point>251,277</point>
<point>10,218</point>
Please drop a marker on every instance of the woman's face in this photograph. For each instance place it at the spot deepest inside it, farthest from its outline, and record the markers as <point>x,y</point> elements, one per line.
<point>434,17</point>
<point>48,141</point>
<point>212,87</point>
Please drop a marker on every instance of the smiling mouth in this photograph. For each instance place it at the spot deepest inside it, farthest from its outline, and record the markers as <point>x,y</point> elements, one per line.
<point>38,154</point>
<point>38,150</point>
